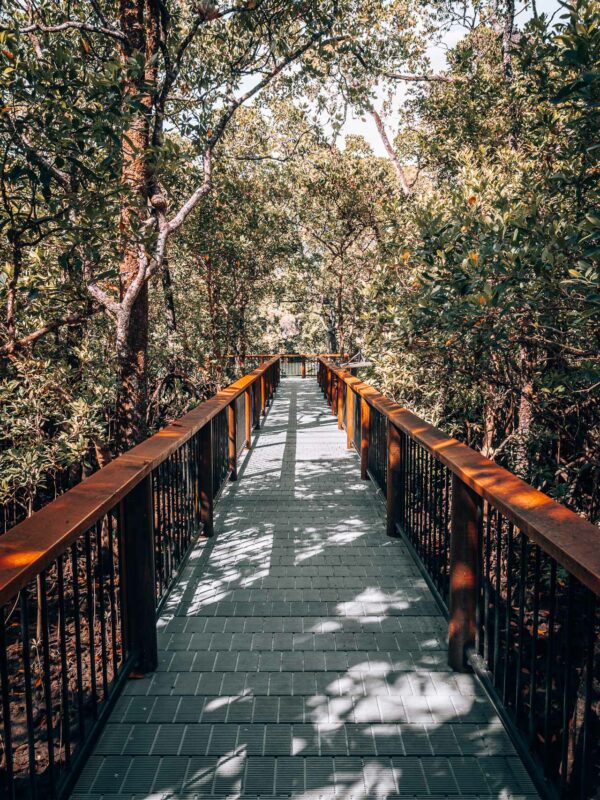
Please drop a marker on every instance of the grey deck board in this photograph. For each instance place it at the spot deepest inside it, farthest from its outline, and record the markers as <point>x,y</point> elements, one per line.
<point>301,652</point>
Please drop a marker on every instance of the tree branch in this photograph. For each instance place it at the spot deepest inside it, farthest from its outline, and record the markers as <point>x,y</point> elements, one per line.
<point>425,77</point>
<point>54,325</point>
<point>75,25</point>
<point>191,203</point>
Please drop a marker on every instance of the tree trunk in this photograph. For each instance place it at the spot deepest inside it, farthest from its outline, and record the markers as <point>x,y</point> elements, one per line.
<point>340,315</point>
<point>132,360</point>
<point>402,180</point>
<point>525,412</point>
<point>140,24</point>
<point>168,297</point>
<point>11,299</point>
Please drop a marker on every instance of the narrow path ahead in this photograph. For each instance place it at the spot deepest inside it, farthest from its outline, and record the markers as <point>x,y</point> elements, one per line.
<point>301,652</point>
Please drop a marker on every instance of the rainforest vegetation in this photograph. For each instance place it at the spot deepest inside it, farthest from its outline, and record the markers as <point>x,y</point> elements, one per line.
<point>175,185</point>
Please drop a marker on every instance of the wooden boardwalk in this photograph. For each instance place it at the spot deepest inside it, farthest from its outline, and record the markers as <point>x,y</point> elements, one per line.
<point>301,652</point>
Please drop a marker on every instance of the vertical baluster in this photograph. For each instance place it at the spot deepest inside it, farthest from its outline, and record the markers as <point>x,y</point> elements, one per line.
<point>466,511</point>
<point>365,426</point>
<point>26,653</point>
<point>534,642</point>
<point>521,624</point>
<point>350,400</point>
<point>507,612</point>
<point>231,449</point>
<point>137,542</point>
<point>175,459</point>
<point>480,581</point>
<point>91,618</point>
<point>6,709</point>
<point>158,550</point>
<point>549,664</point>
<point>64,668</point>
<point>446,561</point>
<point>394,478</point>
<point>588,736</point>
<point>206,479</point>
<point>497,595</point>
<point>113,594</point>
<point>568,645</point>
<point>411,500</point>
<point>46,681</point>
<point>100,572</point>
<point>248,417</point>
<point>78,649</point>
<point>486,585</point>
<point>427,511</point>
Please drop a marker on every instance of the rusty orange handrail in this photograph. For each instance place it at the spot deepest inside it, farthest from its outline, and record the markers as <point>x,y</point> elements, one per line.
<point>33,544</point>
<point>571,540</point>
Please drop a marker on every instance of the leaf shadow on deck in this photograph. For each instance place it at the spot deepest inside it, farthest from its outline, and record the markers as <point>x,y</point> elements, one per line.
<point>302,653</point>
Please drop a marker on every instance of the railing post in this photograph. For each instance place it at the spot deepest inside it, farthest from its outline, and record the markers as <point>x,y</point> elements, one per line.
<point>340,403</point>
<point>248,416</point>
<point>303,368</point>
<point>138,575</point>
<point>231,436</point>
<point>395,477</point>
<point>334,394</point>
<point>205,471</point>
<point>464,536</point>
<point>350,400</point>
<point>263,398</point>
<point>365,418</point>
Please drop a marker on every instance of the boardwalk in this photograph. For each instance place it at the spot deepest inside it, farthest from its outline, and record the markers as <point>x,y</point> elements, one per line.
<point>301,653</point>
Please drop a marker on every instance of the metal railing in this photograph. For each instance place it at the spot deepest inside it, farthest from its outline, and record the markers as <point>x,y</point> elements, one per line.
<point>81,582</point>
<point>293,365</point>
<point>517,574</point>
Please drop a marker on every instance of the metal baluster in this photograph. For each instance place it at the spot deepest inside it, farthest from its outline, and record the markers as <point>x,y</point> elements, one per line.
<point>6,711</point>
<point>46,680</point>
<point>103,651</point>
<point>28,694</point>
<point>78,648</point>
<point>91,621</point>
<point>534,642</point>
<point>64,669</point>
<point>549,664</point>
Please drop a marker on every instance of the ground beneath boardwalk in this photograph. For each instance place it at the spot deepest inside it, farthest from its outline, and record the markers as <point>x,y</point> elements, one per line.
<point>301,653</point>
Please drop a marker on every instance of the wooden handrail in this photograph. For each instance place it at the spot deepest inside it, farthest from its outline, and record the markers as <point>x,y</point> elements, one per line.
<point>31,546</point>
<point>571,540</point>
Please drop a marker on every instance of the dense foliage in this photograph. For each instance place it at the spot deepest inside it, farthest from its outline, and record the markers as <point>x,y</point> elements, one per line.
<point>172,190</point>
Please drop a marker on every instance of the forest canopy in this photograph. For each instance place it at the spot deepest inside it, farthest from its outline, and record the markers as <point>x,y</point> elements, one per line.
<point>177,183</point>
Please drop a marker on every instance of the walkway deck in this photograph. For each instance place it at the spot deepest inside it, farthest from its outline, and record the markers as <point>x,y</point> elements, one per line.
<point>301,653</point>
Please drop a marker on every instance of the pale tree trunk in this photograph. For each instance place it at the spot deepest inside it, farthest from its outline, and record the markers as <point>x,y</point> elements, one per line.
<point>525,360</point>
<point>525,411</point>
<point>393,156</point>
<point>168,298</point>
<point>489,423</point>
<point>340,314</point>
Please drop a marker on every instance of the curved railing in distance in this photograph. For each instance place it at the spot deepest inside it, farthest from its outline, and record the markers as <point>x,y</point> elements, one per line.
<point>518,574</point>
<point>299,365</point>
<point>81,582</point>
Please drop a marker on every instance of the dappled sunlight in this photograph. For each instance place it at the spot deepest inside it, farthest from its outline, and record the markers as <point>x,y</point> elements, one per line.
<point>302,654</point>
